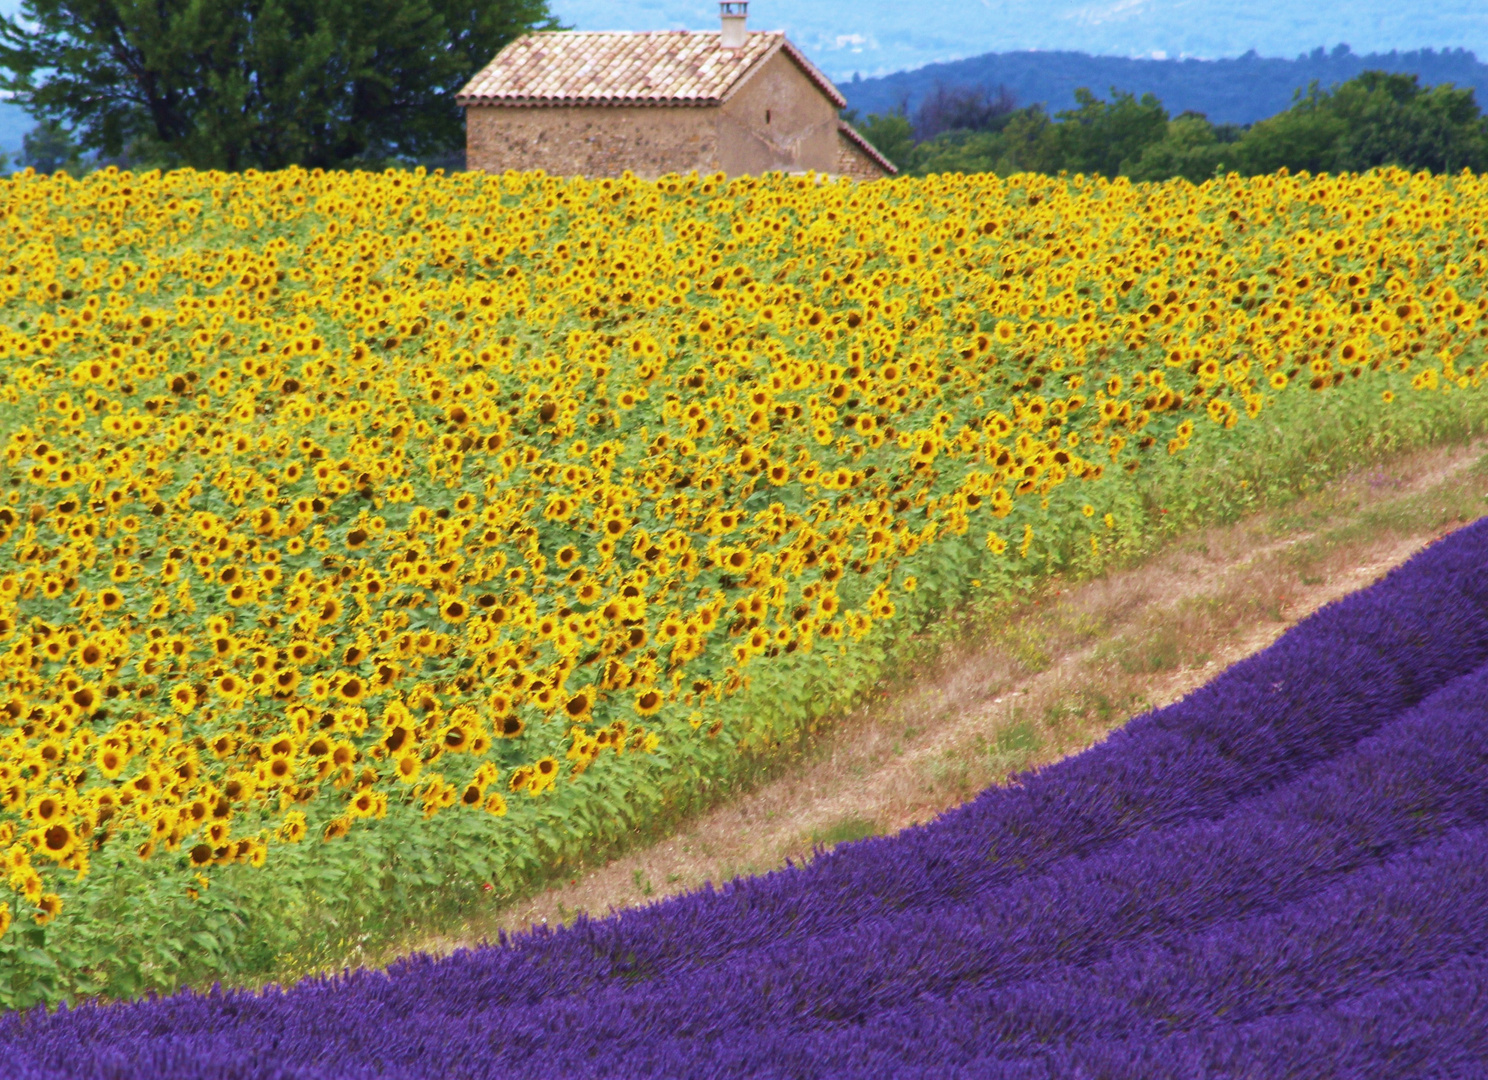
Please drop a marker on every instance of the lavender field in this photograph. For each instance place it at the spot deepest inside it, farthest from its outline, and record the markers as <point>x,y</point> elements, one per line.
<point>1284,874</point>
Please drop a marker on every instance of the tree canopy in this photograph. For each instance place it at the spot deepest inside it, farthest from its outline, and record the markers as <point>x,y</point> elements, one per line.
<point>232,84</point>
<point>1375,119</point>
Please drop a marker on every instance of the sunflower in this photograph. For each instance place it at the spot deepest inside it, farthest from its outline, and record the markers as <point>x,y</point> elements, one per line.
<point>50,907</point>
<point>110,762</point>
<point>57,840</point>
<point>544,775</point>
<point>407,767</point>
<point>292,830</point>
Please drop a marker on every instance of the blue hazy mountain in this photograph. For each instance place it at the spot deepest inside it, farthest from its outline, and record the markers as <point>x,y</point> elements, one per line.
<point>876,37</point>
<point>1240,91</point>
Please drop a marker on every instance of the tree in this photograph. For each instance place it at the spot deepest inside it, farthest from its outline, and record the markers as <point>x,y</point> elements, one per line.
<point>1192,148</point>
<point>890,133</point>
<point>1109,137</point>
<point>962,108</point>
<point>257,83</point>
<point>1377,118</point>
<point>1392,120</point>
<point>1306,136</point>
<point>48,147</point>
<point>1024,140</point>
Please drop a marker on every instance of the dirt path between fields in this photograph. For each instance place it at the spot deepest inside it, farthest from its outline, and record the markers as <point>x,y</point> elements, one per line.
<point>1050,681</point>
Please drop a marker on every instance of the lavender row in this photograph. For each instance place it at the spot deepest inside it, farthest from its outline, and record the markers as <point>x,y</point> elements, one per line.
<point>1422,776</point>
<point>1401,920</point>
<point>1332,680</point>
<point>1094,919</point>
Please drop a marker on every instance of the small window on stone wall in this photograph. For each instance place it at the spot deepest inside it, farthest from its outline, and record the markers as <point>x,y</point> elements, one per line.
<point>767,116</point>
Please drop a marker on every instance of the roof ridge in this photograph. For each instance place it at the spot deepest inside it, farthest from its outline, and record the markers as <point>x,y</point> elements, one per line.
<point>638,33</point>
<point>639,67</point>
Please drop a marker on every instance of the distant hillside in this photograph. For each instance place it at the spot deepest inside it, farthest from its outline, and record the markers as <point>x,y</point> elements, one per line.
<point>1240,90</point>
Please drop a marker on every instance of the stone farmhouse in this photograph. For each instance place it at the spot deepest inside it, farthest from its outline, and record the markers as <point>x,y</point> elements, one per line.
<point>738,101</point>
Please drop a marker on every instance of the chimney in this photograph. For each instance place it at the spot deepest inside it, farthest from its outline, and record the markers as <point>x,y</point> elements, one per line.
<point>733,13</point>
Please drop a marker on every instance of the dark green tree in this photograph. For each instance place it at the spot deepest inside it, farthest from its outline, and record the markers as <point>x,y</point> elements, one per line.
<point>1306,136</point>
<point>1026,140</point>
<point>1375,119</point>
<point>1192,148</point>
<point>48,147</point>
<point>233,84</point>
<point>1108,137</point>
<point>1031,143</point>
<point>891,134</point>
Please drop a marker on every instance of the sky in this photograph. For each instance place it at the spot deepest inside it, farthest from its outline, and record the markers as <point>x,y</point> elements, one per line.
<point>875,37</point>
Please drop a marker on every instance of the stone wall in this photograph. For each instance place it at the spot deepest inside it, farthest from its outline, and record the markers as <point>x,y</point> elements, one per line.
<point>854,162</point>
<point>592,140</point>
<point>778,120</point>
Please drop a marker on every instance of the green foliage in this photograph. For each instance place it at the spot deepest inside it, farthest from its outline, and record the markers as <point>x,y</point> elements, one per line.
<point>890,133</point>
<point>263,84</point>
<point>48,147</point>
<point>1025,143</point>
<point>1107,138</point>
<point>1373,120</point>
<point>1192,148</point>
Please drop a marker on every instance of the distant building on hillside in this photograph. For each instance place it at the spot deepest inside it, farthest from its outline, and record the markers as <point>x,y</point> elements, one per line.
<point>596,104</point>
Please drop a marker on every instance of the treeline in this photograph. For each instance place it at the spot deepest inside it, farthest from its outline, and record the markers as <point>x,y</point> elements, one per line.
<point>1377,118</point>
<point>1233,90</point>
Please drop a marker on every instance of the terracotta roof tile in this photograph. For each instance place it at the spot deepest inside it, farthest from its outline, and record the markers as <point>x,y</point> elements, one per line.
<point>671,67</point>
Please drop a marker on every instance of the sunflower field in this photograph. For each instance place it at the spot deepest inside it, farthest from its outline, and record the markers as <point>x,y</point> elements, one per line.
<point>379,541</point>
